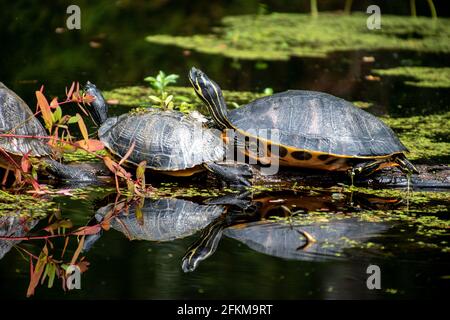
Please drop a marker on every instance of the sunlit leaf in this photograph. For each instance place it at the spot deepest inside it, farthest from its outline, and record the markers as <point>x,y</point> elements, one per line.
<point>25,163</point>
<point>78,251</point>
<point>88,230</point>
<point>45,109</point>
<point>57,114</point>
<point>74,119</point>
<point>140,172</point>
<point>83,129</point>
<point>127,155</point>
<point>37,272</point>
<point>91,145</point>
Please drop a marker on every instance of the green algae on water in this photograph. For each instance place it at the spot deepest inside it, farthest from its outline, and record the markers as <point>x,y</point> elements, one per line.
<point>426,137</point>
<point>136,96</point>
<point>24,205</point>
<point>426,77</point>
<point>278,36</point>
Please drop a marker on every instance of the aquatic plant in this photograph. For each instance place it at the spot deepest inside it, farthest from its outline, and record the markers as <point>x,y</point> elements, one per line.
<point>412,5</point>
<point>160,84</point>
<point>426,77</point>
<point>278,36</point>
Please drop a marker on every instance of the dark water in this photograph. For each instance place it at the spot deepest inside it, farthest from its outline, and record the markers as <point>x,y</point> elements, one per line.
<point>261,253</point>
<point>258,256</point>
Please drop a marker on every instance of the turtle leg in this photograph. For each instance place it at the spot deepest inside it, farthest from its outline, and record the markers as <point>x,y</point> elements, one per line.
<point>242,200</point>
<point>235,174</point>
<point>309,240</point>
<point>205,246</point>
<point>404,165</point>
<point>366,168</point>
<point>66,172</point>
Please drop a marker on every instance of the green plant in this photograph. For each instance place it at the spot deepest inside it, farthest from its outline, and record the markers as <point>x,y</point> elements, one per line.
<point>160,84</point>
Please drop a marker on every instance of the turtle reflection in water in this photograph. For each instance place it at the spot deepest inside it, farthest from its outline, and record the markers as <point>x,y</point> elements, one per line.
<point>13,226</point>
<point>167,219</point>
<point>312,240</point>
<point>164,219</point>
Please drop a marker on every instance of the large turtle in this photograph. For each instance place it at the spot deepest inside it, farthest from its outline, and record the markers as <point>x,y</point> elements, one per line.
<point>169,141</point>
<point>309,239</point>
<point>16,119</point>
<point>306,129</point>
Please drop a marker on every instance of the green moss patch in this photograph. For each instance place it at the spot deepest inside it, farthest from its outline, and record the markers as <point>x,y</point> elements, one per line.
<point>426,77</point>
<point>24,205</point>
<point>427,137</point>
<point>139,96</point>
<point>278,36</point>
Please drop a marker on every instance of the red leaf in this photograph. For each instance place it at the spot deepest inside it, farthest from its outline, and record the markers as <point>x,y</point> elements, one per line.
<point>45,109</point>
<point>87,230</point>
<point>25,163</point>
<point>92,145</point>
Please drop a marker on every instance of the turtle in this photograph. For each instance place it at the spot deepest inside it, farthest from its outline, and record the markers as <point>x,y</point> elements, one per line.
<point>17,119</point>
<point>295,241</point>
<point>170,142</point>
<point>306,129</point>
<point>257,228</point>
<point>164,219</point>
<point>12,226</point>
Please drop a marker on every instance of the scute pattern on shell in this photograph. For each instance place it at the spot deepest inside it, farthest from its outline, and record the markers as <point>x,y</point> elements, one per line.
<point>167,140</point>
<point>320,122</point>
<point>17,118</point>
<point>164,219</point>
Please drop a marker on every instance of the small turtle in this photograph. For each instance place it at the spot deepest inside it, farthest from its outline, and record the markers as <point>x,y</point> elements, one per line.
<point>169,141</point>
<point>17,119</point>
<point>164,219</point>
<point>306,129</point>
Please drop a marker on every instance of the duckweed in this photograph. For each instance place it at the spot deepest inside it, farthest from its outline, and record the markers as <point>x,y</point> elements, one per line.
<point>278,36</point>
<point>426,77</point>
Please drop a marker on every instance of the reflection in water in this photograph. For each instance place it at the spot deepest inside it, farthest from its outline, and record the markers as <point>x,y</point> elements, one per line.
<point>162,219</point>
<point>293,235</point>
<point>13,226</point>
<point>287,241</point>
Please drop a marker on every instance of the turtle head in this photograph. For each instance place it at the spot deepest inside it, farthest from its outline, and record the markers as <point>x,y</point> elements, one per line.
<point>99,110</point>
<point>211,94</point>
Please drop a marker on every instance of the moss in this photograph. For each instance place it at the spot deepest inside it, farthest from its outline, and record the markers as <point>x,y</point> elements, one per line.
<point>427,77</point>
<point>24,205</point>
<point>83,156</point>
<point>427,137</point>
<point>278,36</point>
<point>138,96</point>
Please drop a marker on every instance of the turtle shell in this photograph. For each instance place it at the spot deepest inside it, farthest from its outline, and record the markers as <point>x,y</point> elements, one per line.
<point>316,121</point>
<point>167,140</point>
<point>163,219</point>
<point>284,240</point>
<point>17,118</point>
